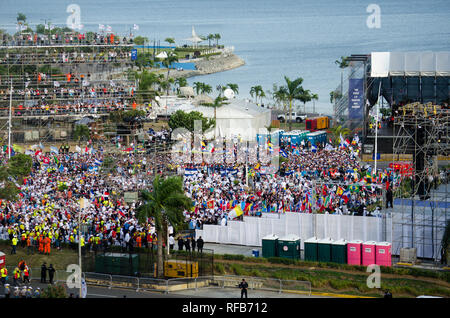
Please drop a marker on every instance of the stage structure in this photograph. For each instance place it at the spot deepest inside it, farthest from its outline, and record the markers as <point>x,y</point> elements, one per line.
<point>421,210</point>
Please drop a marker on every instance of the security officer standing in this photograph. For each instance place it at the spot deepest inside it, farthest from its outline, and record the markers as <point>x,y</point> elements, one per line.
<point>243,286</point>
<point>51,273</point>
<point>180,243</point>
<point>200,244</point>
<point>44,273</point>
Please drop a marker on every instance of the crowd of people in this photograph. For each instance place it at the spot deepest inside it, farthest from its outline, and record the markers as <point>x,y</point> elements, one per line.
<point>45,215</point>
<point>67,38</point>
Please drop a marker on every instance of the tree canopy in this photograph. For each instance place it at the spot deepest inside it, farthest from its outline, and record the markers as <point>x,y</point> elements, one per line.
<point>181,119</point>
<point>18,167</point>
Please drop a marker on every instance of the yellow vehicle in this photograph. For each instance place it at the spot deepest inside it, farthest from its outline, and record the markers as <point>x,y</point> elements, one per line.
<point>180,269</point>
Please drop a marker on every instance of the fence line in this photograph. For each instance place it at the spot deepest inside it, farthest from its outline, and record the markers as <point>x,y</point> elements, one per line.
<point>175,284</point>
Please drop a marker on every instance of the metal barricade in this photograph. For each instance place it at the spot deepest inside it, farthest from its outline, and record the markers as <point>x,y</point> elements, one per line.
<point>125,282</point>
<point>296,286</point>
<point>153,284</point>
<point>177,284</point>
<point>98,279</point>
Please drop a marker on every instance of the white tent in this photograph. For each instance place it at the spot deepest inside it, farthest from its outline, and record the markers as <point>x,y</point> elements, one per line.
<point>195,39</point>
<point>238,118</point>
<point>162,55</point>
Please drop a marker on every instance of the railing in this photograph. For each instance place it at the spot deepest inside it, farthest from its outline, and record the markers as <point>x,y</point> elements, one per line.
<point>176,284</point>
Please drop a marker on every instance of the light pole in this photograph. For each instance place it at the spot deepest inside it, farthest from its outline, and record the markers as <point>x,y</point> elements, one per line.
<point>9,121</point>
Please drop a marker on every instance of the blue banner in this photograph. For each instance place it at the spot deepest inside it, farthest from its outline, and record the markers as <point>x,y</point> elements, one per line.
<point>133,54</point>
<point>355,98</point>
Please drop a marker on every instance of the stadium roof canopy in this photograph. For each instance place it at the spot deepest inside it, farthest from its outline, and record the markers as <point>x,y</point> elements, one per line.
<point>385,64</point>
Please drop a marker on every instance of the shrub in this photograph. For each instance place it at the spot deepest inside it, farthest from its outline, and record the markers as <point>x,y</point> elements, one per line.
<point>219,268</point>
<point>54,291</point>
<point>233,257</point>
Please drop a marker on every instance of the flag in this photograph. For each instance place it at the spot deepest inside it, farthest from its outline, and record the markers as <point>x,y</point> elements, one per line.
<point>136,27</point>
<point>313,148</point>
<point>339,191</point>
<point>77,149</point>
<point>236,212</point>
<point>210,204</point>
<point>283,153</point>
<point>108,28</point>
<point>54,150</point>
<point>98,162</point>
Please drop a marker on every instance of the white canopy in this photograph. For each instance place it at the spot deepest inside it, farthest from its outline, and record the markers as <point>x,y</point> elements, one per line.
<point>194,38</point>
<point>386,64</point>
<point>238,118</point>
<point>162,55</point>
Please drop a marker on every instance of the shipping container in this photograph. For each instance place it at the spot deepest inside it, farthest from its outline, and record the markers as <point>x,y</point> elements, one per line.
<point>289,246</point>
<point>383,254</point>
<point>322,122</point>
<point>368,253</point>
<point>339,251</point>
<point>270,246</point>
<point>354,252</point>
<point>324,250</point>
<point>311,249</point>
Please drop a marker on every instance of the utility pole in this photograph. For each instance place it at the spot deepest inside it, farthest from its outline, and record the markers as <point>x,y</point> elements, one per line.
<point>9,121</point>
<point>376,129</point>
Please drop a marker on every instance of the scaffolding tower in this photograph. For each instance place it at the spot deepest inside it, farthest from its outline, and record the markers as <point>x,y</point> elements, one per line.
<point>421,210</point>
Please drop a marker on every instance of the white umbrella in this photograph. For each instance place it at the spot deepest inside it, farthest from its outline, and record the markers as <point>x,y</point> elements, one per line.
<point>162,55</point>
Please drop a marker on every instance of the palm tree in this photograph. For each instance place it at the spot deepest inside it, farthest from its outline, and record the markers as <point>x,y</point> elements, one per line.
<point>314,97</point>
<point>258,92</point>
<point>167,62</point>
<point>343,63</point>
<point>198,87</point>
<point>206,89</point>
<point>233,87</point>
<point>165,203</point>
<point>170,40</point>
<point>337,131</point>
<point>217,38</point>
<point>261,95</point>
<point>305,97</point>
<point>209,38</point>
<point>294,91</point>
<point>181,82</point>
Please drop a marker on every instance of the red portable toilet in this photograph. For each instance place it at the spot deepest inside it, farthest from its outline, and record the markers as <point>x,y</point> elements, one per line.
<point>368,253</point>
<point>383,253</point>
<point>354,252</point>
<point>2,260</point>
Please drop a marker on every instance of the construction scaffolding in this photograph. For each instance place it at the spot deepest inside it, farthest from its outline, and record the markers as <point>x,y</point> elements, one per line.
<point>52,84</point>
<point>421,209</point>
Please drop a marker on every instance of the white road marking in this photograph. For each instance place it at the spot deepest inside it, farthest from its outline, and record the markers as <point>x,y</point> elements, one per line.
<point>110,296</point>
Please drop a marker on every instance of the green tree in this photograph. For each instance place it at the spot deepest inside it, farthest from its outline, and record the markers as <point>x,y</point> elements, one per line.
<point>140,40</point>
<point>257,91</point>
<point>165,204</point>
<point>314,97</point>
<point>181,119</point>
<point>54,291</point>
<point>18,167</point>
<point>181,82</point>
<point>167,62</point>
<point>81,132</point>
<point>233,87</point>
<point>294,91</point>
<point>337,131</point>
<point>305,97</point>
<point>170,40</point>
<point>217,38</point>
<point>342,63</point>
<point>206,89</point>
<point>40,29</point>
<point>21,18</point>
<point>198,87</point>
<point>210,37</point>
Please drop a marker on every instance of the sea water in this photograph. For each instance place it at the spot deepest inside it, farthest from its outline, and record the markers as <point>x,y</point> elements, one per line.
<point>276,38</point>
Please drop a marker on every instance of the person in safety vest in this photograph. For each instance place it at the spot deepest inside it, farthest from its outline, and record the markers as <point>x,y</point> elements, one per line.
<point>14,245</point>
<point>26,275</point>
<point>16,276</point>
<point>3,275</point>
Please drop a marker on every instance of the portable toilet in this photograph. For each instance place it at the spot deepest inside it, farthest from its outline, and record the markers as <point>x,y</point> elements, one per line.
<point>354,252</point>
<point>311,249</point>
<point>383,254</point>
<point>339,251</point>
<point>270,246</point>
<point>2,260</point>
<point>324,250</point>
<point>368,253</point>
<point>289,246</point>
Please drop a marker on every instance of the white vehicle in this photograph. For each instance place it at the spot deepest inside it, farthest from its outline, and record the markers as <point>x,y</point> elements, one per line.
<point>297,117</point>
